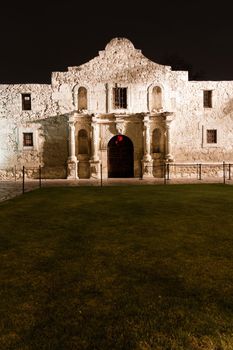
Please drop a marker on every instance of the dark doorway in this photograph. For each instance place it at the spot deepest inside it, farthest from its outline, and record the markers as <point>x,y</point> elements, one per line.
<point>120,157</point>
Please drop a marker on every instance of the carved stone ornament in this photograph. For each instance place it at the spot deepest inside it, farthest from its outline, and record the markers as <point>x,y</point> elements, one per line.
<point>120,127</point>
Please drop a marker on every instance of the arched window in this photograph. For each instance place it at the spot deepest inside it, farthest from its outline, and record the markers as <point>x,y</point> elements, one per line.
<point>82,142</point>
<point>156,141</point>
<point>82,98</point>
<point>156,100</point>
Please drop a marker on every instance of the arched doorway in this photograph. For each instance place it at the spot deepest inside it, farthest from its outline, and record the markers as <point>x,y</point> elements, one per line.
<point>120,157</point>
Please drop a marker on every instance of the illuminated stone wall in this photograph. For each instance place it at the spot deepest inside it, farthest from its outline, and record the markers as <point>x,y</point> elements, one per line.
<point>119,65</point>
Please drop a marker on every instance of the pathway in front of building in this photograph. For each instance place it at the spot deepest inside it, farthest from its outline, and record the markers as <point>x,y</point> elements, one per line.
<point>10,189</point>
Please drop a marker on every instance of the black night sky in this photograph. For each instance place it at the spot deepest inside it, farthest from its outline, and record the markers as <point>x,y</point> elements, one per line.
<point>40,37</point>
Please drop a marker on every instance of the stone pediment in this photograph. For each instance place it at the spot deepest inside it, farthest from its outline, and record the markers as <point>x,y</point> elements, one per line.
<point>118,45</point>
<point>120,62</point>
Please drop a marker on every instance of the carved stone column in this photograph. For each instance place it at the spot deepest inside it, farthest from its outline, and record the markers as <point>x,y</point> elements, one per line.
<point>95,141</point>
<point>72,141</point>
<point>72,159</point>
<point>147,168</point>
<point>95,162</point>
<point>168,155</point>
<point>147,155</point>
<point>168,119</point>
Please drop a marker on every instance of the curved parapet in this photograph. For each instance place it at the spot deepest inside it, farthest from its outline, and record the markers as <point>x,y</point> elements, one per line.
<point>120,44</point>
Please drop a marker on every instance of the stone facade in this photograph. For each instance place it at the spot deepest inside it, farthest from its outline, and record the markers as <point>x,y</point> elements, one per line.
<point>68,125</point>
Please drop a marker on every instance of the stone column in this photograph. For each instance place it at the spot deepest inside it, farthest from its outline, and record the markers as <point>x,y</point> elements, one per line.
<point>147,155</point>
<point>147,163</point>
<point>95,162</point>
<point>168,155</point>
<point>72,159</point>
<point>72,156</point>
<point>95,141</point>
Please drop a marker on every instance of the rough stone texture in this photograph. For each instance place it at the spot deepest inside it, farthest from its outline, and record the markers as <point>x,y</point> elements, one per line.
<point>120,64</point>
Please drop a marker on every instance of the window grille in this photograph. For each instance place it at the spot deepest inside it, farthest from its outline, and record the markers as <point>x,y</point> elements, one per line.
<point>212,136</point>
<point>207,98</point>
<point>26,102</point>
<point>120,97</point>
<point>27,139</point>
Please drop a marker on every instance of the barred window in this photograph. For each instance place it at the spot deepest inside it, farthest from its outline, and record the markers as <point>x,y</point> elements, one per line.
<point>207,98</point>
<point>28,139</point>
<point>26,102</point>
<point>212,136</point>
<point>119,97</point>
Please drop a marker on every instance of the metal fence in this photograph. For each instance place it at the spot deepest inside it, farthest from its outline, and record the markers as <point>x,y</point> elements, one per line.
<point>29,178</point>
<point>211,172</point>
<point>15,180</point>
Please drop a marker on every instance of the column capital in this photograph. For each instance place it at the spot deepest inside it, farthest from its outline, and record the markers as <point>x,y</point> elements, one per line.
<point>71,125</point>
<point>146,119</point>
<point>71,118</point>
<point>94,117</point>
<point>168,124</point>
<point>94,125</point>
<point>168,117</point>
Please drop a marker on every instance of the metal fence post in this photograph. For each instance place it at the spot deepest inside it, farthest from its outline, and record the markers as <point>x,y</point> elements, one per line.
<point>101,175</point>
<point>23,179</point>
<point>164,173</point>
<point>39,176</point>
<point>229,177</point>
<point>168,171</point>
<point>199,171</point>
<point>141,172</point>
<point>224,174</point>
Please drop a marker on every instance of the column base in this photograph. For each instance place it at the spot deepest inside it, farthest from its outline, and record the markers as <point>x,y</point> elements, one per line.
<point>147,168</point>
<point>95,169</point>
<point>72,167</point>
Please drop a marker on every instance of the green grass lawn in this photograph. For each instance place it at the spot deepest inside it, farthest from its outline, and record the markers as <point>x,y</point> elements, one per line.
<point>141,267</point>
